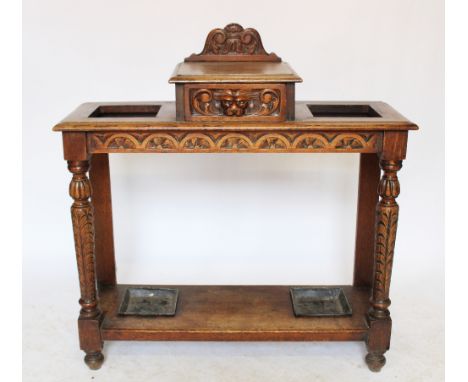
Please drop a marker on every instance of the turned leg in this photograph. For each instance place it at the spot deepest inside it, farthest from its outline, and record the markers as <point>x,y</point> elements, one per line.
<point>83,232</point>
<point>380,323</point>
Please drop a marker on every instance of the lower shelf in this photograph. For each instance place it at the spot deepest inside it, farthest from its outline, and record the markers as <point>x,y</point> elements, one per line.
<point>233,313</point>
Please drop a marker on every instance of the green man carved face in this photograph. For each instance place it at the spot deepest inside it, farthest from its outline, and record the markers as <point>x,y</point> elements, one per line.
<point>234,103</point>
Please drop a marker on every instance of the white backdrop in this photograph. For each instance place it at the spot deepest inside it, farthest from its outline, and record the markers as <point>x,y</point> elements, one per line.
<point>226,219</point>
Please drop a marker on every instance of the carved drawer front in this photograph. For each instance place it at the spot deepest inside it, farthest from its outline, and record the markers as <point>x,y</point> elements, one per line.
<point>235,102</point>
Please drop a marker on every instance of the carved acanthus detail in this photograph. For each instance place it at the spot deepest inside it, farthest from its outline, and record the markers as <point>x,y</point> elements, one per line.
<point>226,141</point>
<point>233,42</point>
<point>83,232</point>
<point>235,102</point>
<point>385,235</point>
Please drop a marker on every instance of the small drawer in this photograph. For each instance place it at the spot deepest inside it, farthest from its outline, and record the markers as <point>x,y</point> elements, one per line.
<point>235,102</point>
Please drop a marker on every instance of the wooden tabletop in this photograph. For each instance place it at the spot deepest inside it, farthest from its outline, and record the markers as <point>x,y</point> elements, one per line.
<point>387,119</point>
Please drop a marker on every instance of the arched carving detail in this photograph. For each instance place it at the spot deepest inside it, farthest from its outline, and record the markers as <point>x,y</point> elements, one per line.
<point>233,43</point>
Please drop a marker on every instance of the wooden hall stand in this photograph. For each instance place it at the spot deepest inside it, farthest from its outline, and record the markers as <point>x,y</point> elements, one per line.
<point>226,313</point>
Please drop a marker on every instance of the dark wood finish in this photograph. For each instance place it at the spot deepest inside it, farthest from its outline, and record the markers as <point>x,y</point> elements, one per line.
<point>234,141</point>
<point>237,313</point>
<point>347,111</point>
<point>234,97</point>
<point>125,111</point>
<point>234,72</point>
<point>233,43</point>
<point>394,145</point>
<point>74,146</point>
<point>378,340</point>
<point>99,176</point>
<point>251,102</point>
<point>234,313</point>
<point>391,121</point>
<point>179,103</point>
<point>83,232</point>
<point>290,104</point>
<point>234,79</point>
<point>369,176</point>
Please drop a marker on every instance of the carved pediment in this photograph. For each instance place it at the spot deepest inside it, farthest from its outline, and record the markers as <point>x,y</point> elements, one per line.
<point>234,43</point>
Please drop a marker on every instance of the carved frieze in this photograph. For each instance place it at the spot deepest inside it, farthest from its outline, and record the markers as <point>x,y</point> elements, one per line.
<point>227,141</point>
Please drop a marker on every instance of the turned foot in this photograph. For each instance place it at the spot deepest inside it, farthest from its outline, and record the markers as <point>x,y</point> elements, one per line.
<point>94,360</point>
<point>375,361</point>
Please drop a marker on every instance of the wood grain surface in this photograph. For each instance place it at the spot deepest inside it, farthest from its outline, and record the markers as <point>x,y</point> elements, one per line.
<point>233,313</point>
<point>389,120</point>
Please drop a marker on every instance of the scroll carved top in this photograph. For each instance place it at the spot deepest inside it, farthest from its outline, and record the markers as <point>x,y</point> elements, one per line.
<point>234,43</point>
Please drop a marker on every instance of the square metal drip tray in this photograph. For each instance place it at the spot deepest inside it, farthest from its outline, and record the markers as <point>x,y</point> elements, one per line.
<point>146,301</point>
<point>320,302</point>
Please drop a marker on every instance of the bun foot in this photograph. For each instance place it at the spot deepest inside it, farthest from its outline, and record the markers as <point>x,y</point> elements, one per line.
<point>94,360</point>
<point>375,361</point>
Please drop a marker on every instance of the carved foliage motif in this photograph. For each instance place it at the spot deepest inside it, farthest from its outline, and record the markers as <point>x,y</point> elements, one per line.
<point>122,143</point>
<point>234,143</point>
<point>233,40</point>
<point>161,143</point>
<point>386,228</point>
<point>349,142</point>
<point>176,141</point>
<point>235,103</point>
<point>273,143</point>
<point>195,142</point>
<point>387,219</point>
<point>83,232</point>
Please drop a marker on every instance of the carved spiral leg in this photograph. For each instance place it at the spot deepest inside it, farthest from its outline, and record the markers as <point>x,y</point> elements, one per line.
<point>83,231</point>
<point>380,323</point>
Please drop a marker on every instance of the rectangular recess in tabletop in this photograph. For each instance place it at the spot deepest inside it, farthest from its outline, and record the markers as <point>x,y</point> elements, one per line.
<point>343,111</point>
<point>125,111</point>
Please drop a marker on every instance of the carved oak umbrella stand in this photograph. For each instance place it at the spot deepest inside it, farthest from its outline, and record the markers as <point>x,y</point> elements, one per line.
<point>235,98</point>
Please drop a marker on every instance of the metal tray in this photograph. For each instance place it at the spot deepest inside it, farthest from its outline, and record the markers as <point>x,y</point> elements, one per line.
<point>320,302</point>
<point>148,301</point>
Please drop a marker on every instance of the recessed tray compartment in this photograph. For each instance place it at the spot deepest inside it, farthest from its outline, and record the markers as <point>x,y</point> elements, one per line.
<point>149,301</point>
<point>125,111</point>
<point>343,111</point>
<point>320,302</point>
